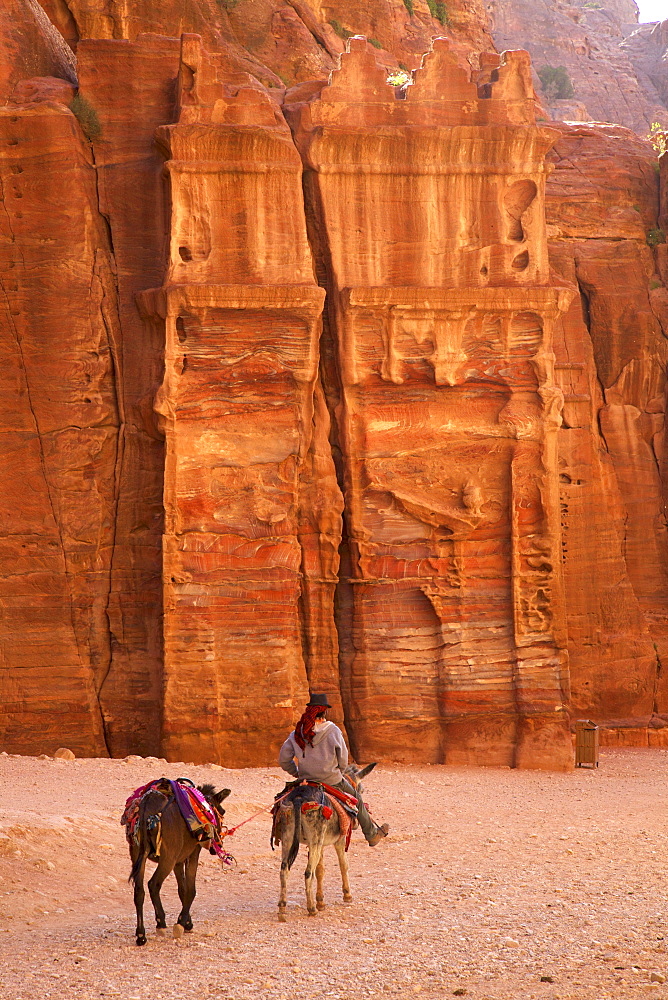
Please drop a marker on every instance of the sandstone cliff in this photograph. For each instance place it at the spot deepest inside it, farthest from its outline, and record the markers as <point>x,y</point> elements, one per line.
<point>611,354</point>
<point>647,48</point>
<point>282,42</point>
<point>616,67</point>
<point>437,493</point>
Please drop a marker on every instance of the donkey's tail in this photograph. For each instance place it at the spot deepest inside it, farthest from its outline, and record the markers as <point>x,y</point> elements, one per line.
<point>148,827</point>
<point>137,865</point>
<point>294,847</point>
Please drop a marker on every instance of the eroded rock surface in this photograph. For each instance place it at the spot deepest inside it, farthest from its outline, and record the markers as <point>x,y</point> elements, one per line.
<point>611,357</point>
<point>616,67</point>
<point>647,48</point>
<point>440,497</point>
<point>30,46</point>
<point>59,433</point>
<point>283,43</point>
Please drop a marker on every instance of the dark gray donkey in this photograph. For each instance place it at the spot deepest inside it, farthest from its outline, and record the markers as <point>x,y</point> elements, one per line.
<point>163,836</point>
<point>311,827</point>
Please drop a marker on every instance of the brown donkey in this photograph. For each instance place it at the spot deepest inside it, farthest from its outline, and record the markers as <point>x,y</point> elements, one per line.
<point>163,836</point>
<point>311,827</point>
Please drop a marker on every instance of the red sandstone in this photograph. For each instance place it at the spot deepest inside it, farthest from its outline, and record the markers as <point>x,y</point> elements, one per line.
<point>440,496</point>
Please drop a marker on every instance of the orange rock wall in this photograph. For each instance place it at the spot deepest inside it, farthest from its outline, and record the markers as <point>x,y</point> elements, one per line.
<point>30,47</point>
<point>188,421</point>
<point>611,359</point>
<point>280,43</point>
<point>445,416</point>
<point>242,317</point>
<point>132,88</point>
<point>59,435</point>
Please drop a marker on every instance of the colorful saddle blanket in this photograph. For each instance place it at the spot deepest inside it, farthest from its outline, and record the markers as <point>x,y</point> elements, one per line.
<point>200,817</point>
<point>344,805</point>
<point>349,802</point>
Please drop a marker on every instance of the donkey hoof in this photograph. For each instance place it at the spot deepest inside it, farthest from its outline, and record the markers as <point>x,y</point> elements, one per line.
<point>347,898</point>
<point>161,931</point>
<point>177,931</point>
<point>320,905</point>
<point>141,939</point>
<point>282,919</point>
<point>312,913</point>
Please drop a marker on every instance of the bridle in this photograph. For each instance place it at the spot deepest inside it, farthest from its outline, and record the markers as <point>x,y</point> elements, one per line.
<point>218,813</point>
<point>351,776</point>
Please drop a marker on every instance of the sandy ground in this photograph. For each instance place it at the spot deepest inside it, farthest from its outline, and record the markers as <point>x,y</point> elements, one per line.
<point>490,880</point>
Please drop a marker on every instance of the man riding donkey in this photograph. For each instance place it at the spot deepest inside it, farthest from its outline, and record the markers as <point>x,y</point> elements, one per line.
<point>322,755</point>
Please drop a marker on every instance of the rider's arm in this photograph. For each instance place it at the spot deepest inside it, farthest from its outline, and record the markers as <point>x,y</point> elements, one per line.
<point>286,758</point>
<point>341,752</point>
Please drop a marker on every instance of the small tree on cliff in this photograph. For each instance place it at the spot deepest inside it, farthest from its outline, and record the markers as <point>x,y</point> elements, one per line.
<point>556,83</point>
<point>439,10</point>
<point>658,136</point>
<point>86,114</point>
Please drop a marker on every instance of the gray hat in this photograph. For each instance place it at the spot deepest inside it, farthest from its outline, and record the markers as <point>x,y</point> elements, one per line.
<point>319,699</point>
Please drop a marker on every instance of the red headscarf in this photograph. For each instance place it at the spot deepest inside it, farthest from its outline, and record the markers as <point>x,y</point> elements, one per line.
<point>305,728</point>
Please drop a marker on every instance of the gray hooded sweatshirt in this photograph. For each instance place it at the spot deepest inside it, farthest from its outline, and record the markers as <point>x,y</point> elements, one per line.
<point>325,761</point>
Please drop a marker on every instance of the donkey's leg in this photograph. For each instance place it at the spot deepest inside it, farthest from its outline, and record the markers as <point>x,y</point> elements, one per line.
<point>283,896</point>
<point>154,887</point>
<point>190,890</point>
<point>285,830</point>
<point>140,933</point>
<point>180,875</point>
<point>340,848</point>
<point>320,875</point>
<point>314,856</point>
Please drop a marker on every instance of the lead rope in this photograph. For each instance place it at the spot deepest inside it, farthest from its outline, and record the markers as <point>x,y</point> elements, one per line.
<point>228,861</point>
<point>265,809</point>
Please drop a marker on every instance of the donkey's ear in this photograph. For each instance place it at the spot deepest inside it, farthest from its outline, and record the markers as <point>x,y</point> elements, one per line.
<point>366,770</point>
<point>219,796</point>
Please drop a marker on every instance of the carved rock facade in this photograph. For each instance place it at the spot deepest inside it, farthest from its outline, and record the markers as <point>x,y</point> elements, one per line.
<point>429,213</point>
<point>242,311</point>
<point>304,405</point>
<point>438,373</point>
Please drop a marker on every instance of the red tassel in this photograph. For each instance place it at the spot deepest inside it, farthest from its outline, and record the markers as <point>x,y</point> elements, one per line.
<point>327,812</point>
<point>307,806</point>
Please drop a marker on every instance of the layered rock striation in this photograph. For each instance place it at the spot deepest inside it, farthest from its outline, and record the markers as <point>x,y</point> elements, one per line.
<point>429,212</point>
<point>611,353</point>
<point>344,386</point>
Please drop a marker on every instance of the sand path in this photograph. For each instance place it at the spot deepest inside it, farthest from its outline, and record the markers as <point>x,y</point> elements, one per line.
<point>490,880</point>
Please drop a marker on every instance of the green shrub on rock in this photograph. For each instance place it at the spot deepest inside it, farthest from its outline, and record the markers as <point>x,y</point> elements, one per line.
<point>655,236</point>
<point>556,83</point>
<point>439,11</point>
<point>87,117</point>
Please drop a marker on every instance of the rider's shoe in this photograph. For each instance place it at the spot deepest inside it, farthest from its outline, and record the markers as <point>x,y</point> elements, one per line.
<point>380,834</point>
